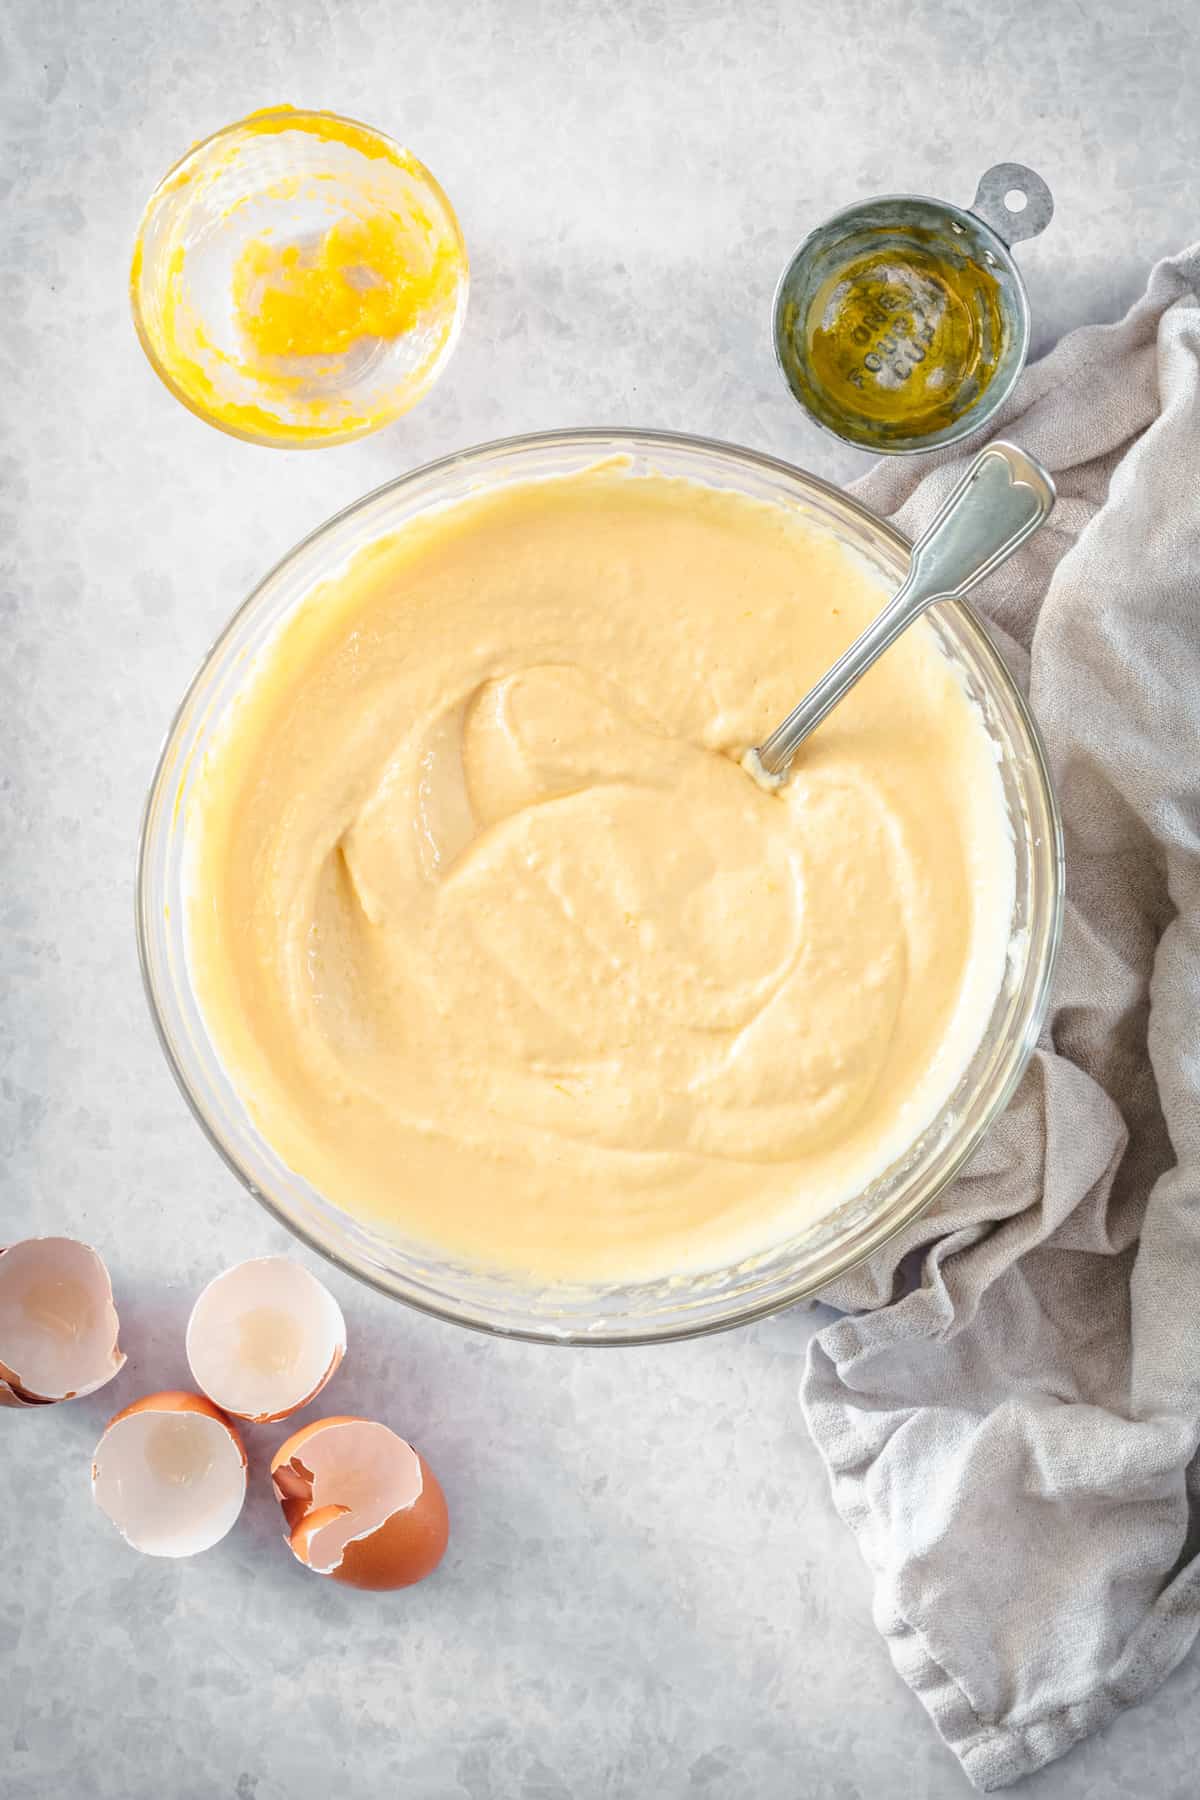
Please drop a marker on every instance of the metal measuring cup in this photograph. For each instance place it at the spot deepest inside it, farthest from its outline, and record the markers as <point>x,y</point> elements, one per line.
<point>891,330</point>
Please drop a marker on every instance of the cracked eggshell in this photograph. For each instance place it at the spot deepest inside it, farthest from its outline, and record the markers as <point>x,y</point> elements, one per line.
<point>170,1472</point>
<point>361,1505</point>
<point>58,1324</point>
<point>264,1338</point>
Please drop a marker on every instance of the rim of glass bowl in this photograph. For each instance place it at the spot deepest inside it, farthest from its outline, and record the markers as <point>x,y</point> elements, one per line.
<point>333,1233</point>
<point>280,441</point>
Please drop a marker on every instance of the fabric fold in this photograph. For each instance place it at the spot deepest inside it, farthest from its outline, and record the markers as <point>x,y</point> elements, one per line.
<point>1009,1410</point>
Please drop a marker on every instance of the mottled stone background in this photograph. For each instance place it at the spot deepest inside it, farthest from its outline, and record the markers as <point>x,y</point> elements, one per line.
<point>648,1595</point>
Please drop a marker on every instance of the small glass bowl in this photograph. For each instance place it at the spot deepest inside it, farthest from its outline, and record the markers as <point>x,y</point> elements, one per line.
<point>637,1312</point>
<point>283,178</point>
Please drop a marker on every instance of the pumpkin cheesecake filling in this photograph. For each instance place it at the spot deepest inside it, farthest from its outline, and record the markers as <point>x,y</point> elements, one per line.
<point>504,951</point>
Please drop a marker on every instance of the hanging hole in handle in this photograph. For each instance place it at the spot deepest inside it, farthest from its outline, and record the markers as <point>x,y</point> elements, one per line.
<point>1014,201</point>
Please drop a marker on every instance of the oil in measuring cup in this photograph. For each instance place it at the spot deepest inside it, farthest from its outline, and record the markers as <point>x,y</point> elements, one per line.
<point>903,322</point>
<point>904,338</point>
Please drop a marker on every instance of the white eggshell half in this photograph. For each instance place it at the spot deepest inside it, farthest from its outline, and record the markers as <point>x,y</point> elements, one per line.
<point>58,1324</point>
<point>264,1338</point>
<point>170,1475</point>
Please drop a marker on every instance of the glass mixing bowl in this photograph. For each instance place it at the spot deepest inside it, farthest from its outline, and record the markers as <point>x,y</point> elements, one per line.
<point>653,1310</point>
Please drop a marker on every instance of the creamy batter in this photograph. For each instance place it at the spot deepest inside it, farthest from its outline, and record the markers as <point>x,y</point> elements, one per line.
<point>506,952</point>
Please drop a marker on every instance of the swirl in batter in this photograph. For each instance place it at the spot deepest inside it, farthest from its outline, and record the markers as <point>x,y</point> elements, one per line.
<point>505,951</point>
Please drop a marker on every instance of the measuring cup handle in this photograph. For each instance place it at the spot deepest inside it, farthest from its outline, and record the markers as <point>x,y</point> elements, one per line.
<point>1012,225</point>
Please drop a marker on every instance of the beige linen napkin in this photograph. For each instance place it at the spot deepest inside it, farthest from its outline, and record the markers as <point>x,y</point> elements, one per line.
<point>1010,1414</point>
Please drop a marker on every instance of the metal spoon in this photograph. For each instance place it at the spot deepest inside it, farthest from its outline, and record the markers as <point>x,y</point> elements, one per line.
<point>1002,499</point>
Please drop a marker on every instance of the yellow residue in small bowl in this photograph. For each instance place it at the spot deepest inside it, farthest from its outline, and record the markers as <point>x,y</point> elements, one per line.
<point>361,280</point>
<point>299,279</point>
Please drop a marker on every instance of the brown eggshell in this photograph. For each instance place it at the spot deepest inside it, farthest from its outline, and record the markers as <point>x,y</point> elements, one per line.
<point>388,1490</point>
<point>308,1527</point>
<point>58,1324</point>
<point>170,1489</point>
<point>173,1400</point>
<point>288,1450</point>
<point>11,1392</point>
<point>270,1305</point>
<point>406,1548</point>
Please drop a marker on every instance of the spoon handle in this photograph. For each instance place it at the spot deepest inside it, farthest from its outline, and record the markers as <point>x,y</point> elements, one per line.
<point>1000,501</point>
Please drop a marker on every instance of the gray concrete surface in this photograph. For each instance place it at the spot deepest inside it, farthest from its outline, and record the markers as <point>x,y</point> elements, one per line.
<point>648,1594</point>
